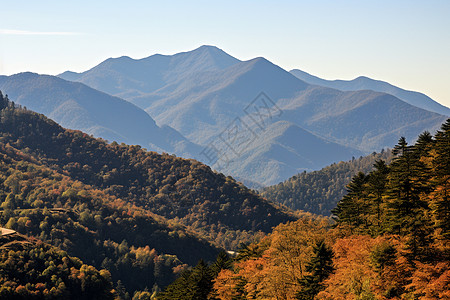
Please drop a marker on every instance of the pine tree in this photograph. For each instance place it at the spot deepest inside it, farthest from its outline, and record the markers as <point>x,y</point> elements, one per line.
<point>377,188</point>
<point>179,289</point>
<point>202,281</point>
<point>351,208</point>
<point>222,262</point>
<point>247,251</point>
<point>320,267</point>
<point>423,144</point>
<point>3,102</point>
<point>191,285</point>
<point>441,168</point>
<point>407,182</point>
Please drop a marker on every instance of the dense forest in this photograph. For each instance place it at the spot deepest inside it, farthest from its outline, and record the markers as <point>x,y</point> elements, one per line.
<point>318,192</point>
<point>142,216</point>
<point>389,239</point>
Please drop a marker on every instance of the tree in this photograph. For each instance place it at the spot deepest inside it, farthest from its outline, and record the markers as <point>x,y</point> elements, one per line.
<point>3,101</point>
<point>407,182</point>
<point>441,168</point>
<point>320,267</point>
<point>222,262</point>
<point>191,285</point>
<point>377,188</point>
<point>351,209</point>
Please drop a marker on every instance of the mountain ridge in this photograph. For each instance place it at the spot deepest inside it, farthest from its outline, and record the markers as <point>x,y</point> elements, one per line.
<point>365,83</point>
<point>77,106</point>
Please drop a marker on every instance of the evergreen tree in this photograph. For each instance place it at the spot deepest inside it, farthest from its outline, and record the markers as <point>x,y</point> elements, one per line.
<point>222,262</point>
<point>247,251</point>
<point>201,281</point>
<point>320,267</point>
<point>351,209</point>
<point>441,180</point>
<point>442,159</point>
<point>179,289</point>
<point>424,143</point>
<point>197,283</point>
<point>377,188</point>
<point>407,182</point>
<point>3,102</point>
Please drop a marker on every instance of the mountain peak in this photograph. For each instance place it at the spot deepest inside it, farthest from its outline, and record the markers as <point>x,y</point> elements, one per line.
<point>260,62</point>
<point>25,75</point>
<point>208,47</point>
<point>205,56</point>
<point>364,78</point>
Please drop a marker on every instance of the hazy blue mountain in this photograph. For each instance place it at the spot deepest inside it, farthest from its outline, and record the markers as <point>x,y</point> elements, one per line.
<point>365,83</point>
<point>126,77</point>
<point>201,106</point>
<point>202,93</point>
<point>366,120</point>
<point>77,106</point>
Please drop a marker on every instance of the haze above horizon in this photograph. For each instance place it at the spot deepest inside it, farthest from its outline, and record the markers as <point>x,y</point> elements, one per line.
<point>405,43</point>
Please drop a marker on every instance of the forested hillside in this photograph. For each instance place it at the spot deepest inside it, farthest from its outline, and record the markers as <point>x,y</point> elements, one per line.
<point>91,224</point>
<point>88,223</point>
<point>181,190</point>
<point>318,192</point>
<point>137,214</point>
<point>390,240</point>
<point>33,270</point>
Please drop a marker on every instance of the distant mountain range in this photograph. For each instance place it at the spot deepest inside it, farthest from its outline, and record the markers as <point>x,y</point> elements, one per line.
<point>206,101</point>
<point>365,83</point>
<point>200,93</point>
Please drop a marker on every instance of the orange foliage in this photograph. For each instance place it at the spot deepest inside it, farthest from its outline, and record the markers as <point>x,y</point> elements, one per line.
<point>276,272</point>
<point>431,282</point>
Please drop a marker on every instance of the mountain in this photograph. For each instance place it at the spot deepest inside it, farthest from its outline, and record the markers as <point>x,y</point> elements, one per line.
<point>366,120</point>
<point>77,106</point>
<point>206,101</point>
<point>319,191</point>
<point>365,83</point>
<point>126,77</point>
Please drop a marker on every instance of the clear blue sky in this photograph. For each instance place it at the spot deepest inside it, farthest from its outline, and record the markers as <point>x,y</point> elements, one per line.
<point>406,43</point>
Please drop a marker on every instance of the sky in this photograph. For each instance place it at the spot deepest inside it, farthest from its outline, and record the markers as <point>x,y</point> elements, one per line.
<point>406,43</point>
